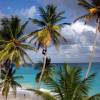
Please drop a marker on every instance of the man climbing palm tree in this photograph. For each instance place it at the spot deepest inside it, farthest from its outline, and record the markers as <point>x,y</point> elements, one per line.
<point>49,31</point>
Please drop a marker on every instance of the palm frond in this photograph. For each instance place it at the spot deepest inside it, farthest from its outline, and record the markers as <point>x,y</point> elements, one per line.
<point>38,76</point>
<point>89,79</point>
<point>8,80</point>
<point>63,24</point>
<point>28,47</point>
<point>6,89</point>
<point>38,22</point>
<point>27,56</point>
<point>44,95</point>
<point>60,36</point>
<point>43,13</point>
<point>29,35</point>
<point>16,84</point>
<point>81,17</point>
<point>20,33</point>
<point>14,90</point>
<point>94,97</point>
<point>85,4</point>
<point>96,2</point>
<point>69,84</point>
<point>60,14</point>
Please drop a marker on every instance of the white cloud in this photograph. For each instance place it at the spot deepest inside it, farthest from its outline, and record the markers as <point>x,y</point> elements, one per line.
<point>78,33</point>
<point>78,50</point>
<point>81,37</point>
<point>29,12</point>
<point>80,27</point>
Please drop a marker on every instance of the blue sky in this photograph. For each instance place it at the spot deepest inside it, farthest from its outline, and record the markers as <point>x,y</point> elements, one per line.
<point>80,35</point>
<point>17,4</point>
<point>14,6</point>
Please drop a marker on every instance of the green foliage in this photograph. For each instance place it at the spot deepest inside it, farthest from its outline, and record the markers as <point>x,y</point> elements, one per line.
<point>93,13</point>
<point>48,72</point>
<point>50,26</point>
<point>69,84</point>
<point>94,97</point>
<point>44,95</point>
<point>12,28</point>
<point>9,79</point>
<point>93,10</point>
<point>11,44</point>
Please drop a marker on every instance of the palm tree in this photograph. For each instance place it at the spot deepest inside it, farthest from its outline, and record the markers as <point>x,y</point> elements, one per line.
<point>48,72</point>
<point>12,46</point>
<point>49,31</point>
<point>93,8</point>
<point>69,85</point>
<point>9,79</point>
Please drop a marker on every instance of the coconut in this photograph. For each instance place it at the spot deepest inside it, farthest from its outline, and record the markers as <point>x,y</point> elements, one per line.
<point>93,10</point>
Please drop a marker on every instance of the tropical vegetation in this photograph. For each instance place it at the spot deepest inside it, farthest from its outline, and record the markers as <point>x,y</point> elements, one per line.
<point>48,72</point>
<point>65,82</point>
<point>9,79</point>
<point>93,13</point>
<point>69,85</point>
<point>12,46</point>
<point>48,32</point>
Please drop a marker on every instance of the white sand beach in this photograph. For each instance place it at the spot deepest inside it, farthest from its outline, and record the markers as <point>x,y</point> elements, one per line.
<point>21,95</point>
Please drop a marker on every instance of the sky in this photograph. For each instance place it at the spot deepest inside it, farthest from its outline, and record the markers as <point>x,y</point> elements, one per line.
<point>80,36</point>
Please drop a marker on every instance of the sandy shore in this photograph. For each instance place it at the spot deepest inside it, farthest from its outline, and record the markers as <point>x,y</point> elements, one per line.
<point>21,95</point>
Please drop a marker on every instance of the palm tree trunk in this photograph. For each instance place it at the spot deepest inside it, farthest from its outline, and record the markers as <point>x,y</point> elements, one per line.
<point>93,49</point>
<point>43,69</point>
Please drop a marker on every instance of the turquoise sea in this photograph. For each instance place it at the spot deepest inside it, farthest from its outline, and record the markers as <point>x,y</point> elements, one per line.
<point>30,72</point>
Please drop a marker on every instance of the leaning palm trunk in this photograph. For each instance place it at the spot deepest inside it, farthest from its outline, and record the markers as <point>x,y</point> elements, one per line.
<point>8,69</point>
<point>43,69</point>
<point>94,46</point>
